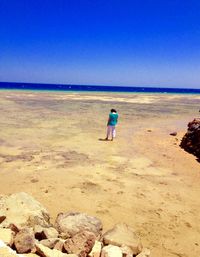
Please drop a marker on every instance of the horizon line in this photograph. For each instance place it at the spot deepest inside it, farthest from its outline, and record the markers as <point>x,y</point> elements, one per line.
<point>97,85</point>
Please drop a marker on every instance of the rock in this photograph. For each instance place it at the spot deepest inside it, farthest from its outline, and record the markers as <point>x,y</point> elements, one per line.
<point>173,134</point>
<point>50,243</point>
<point>60,245</point>
<point>69,224</point>
<point>2,218</point>
<point>7,236</point>
<point>111,251</point>
<point>6,251</point>
<point>38,231</point>
<point>24,241</point>
<point>191,140</point>
<point>80,244</point>
<point>22,210</point>
<point>45,233</point>
<point>30,255</point>
<point>122,235</point>
<point>50,232</point>
<point>14,228</point>
<point>46,252</point>
<point>126,251</point>
<point>145,253</point>
<point>96,250</point>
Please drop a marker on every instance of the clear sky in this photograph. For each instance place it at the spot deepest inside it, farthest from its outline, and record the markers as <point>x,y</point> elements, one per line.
<point>111,42</point>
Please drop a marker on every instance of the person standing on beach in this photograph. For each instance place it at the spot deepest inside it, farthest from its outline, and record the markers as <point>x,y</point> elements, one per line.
<point>112,122</point>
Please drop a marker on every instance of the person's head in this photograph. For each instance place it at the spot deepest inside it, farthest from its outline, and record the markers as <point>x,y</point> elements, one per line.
<point>113,110</point>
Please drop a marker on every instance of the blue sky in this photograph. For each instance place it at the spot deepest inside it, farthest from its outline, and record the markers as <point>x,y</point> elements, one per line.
<point>112,42</point>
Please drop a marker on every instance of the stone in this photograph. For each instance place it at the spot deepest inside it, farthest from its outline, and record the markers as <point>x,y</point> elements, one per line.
<point>38,231</point>
<point>7,236</point>
<point>126,251</point>
<point>111,251</point>
<point>50,243</point>
<point>60,245</point>
<point>191,140</point>
<point>173,134</point>
<point>96,250</point>
<point>50,232</point>
<point>24,241</point>
<point>71,223</point>
<point>22,210</point>
<point>145,253</point>
<point>80,244</point>
<point>45,233</point>
<point>122,235</point>
<point>6,251</point>
<point>46,252</point>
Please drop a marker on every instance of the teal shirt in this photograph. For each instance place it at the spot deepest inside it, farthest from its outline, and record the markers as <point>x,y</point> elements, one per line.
<point>113,118</point>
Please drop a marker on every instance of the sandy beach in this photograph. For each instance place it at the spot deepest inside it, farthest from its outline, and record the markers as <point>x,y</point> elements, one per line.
<point>50,147</point>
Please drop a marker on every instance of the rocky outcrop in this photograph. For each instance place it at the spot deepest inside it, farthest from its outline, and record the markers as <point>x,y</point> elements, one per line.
<point>122,235</point>
<point>80,244</point>
<point>22,210</point>
<point>74,234</point>
<point>191,140</point>
<point>71,223</point>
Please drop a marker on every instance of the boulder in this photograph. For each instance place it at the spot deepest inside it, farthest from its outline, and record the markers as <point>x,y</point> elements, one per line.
<point>80,244</point>
<point>96,250</point>
<point>123,235</point>
<point>24,241</point>
<point>71,223</point>
<point>46,252</point>
<point>191,140</point>
<point>145,253</point>
<point>7,236</point>
<point>111,251</point>
<point>22,210</point>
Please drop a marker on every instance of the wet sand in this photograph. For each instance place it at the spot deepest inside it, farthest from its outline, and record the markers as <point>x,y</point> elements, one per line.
<point>50,148</point>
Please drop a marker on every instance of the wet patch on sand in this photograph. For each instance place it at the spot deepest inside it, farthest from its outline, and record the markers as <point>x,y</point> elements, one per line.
<point>88,187</point>
<point>26,157</point>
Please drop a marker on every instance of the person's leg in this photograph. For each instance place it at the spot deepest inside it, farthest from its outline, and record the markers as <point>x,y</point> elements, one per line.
<point>108,132</point>
<point>113,132</point>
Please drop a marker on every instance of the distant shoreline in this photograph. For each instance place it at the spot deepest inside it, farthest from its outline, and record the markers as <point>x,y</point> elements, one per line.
<point>89,88</point>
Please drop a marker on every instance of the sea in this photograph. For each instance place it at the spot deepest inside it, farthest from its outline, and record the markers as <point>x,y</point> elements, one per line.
<point>94,88</point>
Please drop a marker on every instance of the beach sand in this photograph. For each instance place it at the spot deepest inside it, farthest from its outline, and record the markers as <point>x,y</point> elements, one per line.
<point>50,148</point>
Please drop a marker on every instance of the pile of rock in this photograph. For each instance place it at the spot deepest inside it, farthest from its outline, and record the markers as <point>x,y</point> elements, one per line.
<point>191,140</point>
<point>25,230</point>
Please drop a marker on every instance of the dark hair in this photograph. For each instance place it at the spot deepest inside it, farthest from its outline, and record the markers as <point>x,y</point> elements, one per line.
<point>113,110</point>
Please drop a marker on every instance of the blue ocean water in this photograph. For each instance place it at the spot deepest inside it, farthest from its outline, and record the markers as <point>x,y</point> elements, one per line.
<point>95,88</point>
